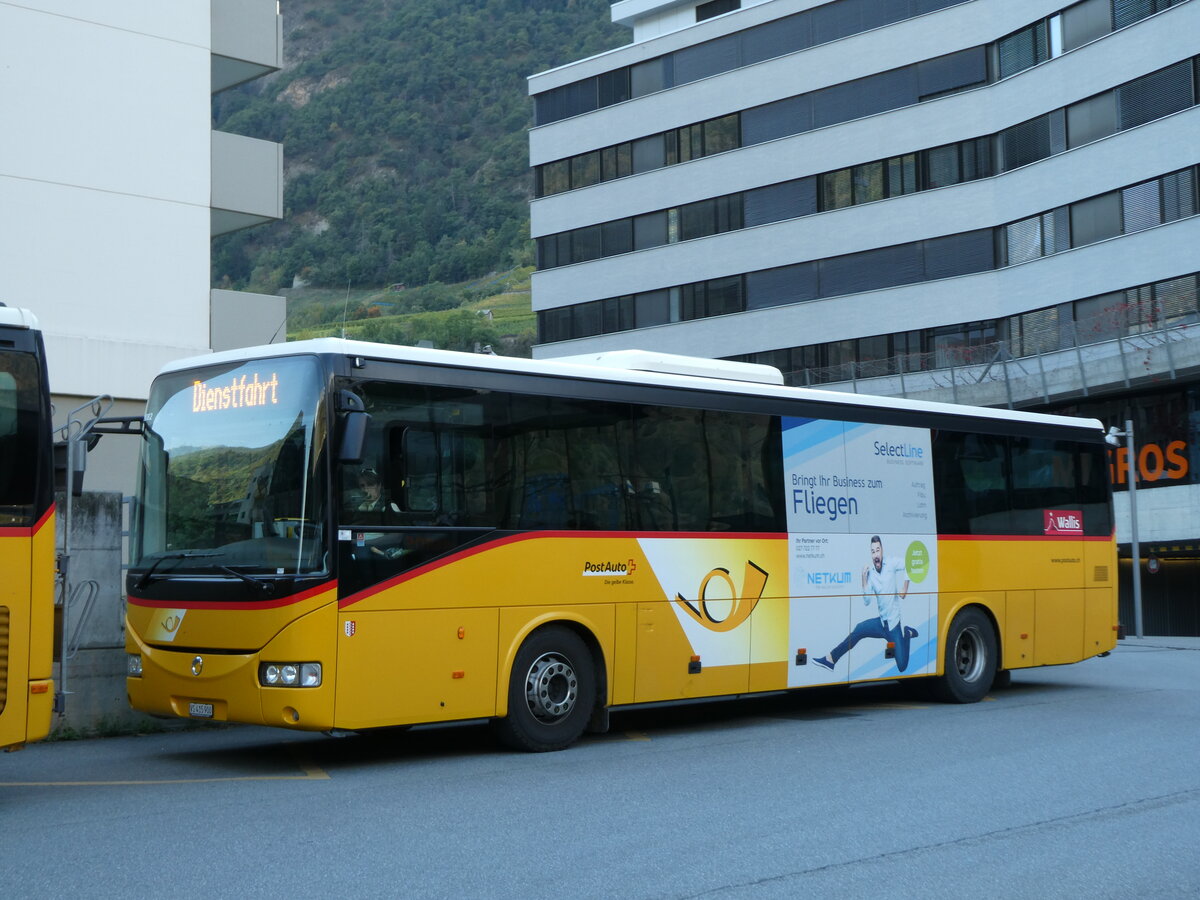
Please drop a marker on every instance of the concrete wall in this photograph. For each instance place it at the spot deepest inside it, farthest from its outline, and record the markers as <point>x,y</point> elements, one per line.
<point>96,702</point>
<point>244,319</point>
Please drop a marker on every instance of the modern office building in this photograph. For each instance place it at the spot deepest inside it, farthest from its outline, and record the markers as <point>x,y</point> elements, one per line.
<point>980,201</point>
<point>113,181</point>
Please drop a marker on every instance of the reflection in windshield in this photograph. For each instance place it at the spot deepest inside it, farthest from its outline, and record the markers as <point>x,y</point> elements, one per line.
<point>230,464</point>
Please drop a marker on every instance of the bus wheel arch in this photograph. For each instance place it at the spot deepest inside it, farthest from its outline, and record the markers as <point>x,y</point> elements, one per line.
<point>971,656</point>
<point>553,688</point>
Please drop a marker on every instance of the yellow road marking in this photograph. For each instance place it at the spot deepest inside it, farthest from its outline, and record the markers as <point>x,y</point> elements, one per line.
<point>4,784</point>
<point>636,736</point>
<point>313,772</point>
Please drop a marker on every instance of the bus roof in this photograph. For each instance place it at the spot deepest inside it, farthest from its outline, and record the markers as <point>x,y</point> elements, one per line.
<point>17,317</point>
<point>651,369</point>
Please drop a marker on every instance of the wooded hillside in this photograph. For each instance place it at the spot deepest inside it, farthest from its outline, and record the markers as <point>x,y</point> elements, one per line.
<point>404,126</point>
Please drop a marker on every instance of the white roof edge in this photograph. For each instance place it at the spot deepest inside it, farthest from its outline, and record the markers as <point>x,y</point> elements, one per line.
<point>676,364</point>
<point>573,367</point>
<point>18,317</point>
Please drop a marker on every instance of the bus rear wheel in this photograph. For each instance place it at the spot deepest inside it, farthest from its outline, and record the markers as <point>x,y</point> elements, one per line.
<point>971,658</point>
<point>551,692</point>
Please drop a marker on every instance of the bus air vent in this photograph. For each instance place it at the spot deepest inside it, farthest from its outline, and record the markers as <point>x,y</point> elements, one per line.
<point>1101,574</point>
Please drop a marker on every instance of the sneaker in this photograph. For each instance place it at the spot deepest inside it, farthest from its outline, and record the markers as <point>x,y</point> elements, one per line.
<point>910,632</point>
<point>822,661</point>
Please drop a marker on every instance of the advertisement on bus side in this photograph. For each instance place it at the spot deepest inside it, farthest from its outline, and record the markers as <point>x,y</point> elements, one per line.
<point>855,584</point>
<point>862,549</point>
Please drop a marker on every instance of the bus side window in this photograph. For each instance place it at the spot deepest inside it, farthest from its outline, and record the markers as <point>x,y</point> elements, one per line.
<point>737,446</point>
<point>971,472</point>
<point>1044,477</point>
<point>467,490</point>
<point>568,460</point>
<point>18,446</point>
<point>420,470</point>
<point>545,500</point>
<point>1094,489</point>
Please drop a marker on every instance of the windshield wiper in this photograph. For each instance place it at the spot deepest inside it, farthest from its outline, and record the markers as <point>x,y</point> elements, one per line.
<point>183,554</point>
<point>266,587</point>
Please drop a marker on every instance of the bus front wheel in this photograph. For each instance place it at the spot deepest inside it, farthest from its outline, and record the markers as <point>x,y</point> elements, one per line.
<point>551,692</point>
<point>971,658</point>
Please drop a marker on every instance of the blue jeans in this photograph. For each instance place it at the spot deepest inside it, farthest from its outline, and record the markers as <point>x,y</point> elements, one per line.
<point>874,628</point>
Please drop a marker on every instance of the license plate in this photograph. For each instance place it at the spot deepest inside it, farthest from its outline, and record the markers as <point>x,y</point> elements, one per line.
<point>200,710</point>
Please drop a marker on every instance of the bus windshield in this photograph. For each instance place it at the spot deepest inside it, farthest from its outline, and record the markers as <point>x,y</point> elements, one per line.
<point>231,474</point>
<point>19,441</point>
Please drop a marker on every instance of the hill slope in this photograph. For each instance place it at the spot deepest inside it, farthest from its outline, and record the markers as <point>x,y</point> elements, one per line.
<point>404,131</point>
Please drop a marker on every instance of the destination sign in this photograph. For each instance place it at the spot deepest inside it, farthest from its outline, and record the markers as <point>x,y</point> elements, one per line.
<point>241,392</point>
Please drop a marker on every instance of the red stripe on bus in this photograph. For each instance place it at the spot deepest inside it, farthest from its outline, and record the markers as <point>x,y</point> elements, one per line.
<point>28,531</point>
<point>44,519</point>
<point>1024,537</point>
<point>249,604</point>
<point>367,593</point>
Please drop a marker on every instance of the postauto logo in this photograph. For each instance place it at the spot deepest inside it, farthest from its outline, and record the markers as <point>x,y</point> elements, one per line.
<point>609,568</point>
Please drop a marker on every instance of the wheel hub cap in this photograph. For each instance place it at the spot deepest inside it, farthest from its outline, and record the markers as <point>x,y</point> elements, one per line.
<point>551,688</point>
<point>968,654</point>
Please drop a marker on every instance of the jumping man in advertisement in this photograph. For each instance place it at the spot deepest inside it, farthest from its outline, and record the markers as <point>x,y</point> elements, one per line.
<point>886,579</point>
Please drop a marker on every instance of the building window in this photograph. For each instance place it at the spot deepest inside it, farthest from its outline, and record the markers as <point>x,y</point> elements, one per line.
<point>1138,206</point>
<point>1073,27</point>
<point>1023,50</point>
<point>1096,219</point>
<point>716,8</point>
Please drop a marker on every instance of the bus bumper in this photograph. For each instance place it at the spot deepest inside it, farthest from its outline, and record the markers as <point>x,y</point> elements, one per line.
<point>220,686</point>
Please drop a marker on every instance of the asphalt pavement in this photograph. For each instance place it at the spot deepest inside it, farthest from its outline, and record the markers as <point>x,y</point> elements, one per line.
<point>1077,781</point>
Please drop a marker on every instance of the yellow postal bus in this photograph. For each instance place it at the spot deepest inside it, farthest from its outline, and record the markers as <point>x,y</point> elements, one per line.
<point>27,545</point>
<point>331,535</point>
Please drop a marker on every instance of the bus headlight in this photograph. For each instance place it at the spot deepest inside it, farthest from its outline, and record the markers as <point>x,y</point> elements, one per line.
<point>310,675</point>
<point>289,674</point>
<point>133,665</point>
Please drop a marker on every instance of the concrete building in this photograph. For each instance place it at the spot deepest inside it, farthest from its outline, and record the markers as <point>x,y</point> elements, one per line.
<point>982,201</point>
<point>112,184</point>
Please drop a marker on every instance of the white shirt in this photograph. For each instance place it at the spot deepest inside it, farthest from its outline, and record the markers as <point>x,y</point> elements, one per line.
<point>885,585</point>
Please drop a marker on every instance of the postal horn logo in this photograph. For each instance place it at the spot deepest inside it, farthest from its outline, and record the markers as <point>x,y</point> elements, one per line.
<point>726,613</point>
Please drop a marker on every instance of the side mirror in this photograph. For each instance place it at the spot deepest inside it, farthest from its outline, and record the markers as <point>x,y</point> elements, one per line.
<point>354,420</point>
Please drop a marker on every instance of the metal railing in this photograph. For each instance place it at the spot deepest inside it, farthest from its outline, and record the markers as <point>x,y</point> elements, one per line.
<point>1075,363</point>
<point>78,436</point>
